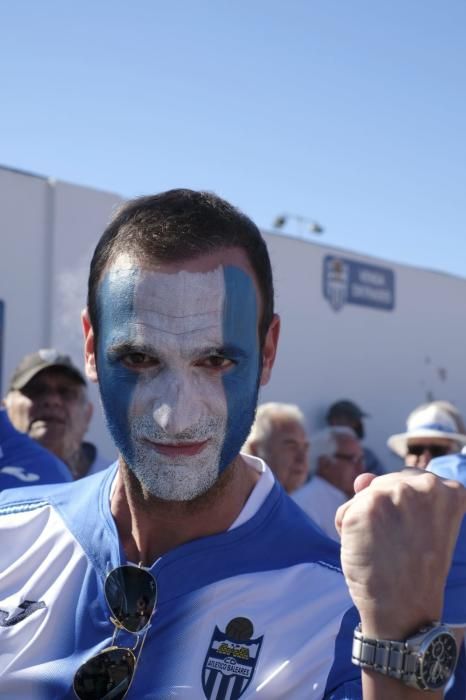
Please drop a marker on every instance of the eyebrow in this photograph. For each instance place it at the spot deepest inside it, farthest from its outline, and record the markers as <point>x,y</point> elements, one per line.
<point>230,349</point>
<point>295,441</point>
<point>131,346</point>
<point>126,347</point>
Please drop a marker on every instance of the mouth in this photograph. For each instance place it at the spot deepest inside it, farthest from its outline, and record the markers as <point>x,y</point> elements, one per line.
<point>49,417</point>
<point>47,420</point>
<point>179,449</point>
<point>300,470</point>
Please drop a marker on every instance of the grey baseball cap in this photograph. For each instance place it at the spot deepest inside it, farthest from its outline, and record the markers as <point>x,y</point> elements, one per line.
<point>34,363</point>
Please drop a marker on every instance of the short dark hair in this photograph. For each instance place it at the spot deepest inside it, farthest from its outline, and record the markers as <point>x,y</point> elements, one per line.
<point>181,225</point>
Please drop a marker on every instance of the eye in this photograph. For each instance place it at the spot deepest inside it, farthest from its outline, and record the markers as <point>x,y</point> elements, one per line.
<point>139,360</point>
<point>216,362</point>
<point>68,393</point>
<point>32,391</point>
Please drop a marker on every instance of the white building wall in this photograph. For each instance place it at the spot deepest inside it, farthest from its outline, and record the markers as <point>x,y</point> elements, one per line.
<point>49,232</point>
<point>80,216</point>
<point>24,266</point>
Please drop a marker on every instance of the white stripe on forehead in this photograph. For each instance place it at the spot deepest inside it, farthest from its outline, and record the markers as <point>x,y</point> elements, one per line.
<point>182,301</point>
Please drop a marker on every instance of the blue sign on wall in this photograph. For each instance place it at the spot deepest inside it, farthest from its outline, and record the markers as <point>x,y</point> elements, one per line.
<point>350,282</point>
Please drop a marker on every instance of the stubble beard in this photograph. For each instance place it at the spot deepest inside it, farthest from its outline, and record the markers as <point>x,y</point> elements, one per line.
<point>179,478</point>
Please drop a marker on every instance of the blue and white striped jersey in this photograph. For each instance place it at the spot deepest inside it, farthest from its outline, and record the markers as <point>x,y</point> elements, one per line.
<point>276,570</point>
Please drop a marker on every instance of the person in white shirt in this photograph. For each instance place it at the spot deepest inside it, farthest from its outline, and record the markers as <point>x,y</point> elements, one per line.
<point>337,458</point>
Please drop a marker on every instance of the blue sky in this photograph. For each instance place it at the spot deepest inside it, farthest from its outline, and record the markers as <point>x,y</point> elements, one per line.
<point>351,112</point>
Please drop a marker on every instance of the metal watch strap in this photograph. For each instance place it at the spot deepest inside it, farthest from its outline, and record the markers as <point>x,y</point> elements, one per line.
<point>387,657</point>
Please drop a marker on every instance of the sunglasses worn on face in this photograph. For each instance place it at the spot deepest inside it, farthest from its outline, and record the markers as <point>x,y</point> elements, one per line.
<point>354,459</point>
<point>131,594</point>
<point>434,450</point>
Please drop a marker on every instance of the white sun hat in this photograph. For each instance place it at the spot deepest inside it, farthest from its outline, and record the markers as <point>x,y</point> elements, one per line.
<point>426,422</point>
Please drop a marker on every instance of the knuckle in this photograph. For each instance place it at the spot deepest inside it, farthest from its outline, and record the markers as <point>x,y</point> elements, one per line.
<point>378,506</point>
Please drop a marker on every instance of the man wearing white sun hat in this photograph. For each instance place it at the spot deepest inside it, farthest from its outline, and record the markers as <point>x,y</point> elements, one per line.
<point>453,466</point>
<point>435,435</point>
<point>432,431</point>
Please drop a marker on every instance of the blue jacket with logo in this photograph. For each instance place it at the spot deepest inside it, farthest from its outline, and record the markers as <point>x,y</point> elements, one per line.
<point>23,462</point>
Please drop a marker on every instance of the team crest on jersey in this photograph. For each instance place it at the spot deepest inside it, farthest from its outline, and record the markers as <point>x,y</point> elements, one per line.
<point>231,660</point>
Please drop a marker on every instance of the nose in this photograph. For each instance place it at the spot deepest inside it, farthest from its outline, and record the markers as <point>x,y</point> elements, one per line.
<point>51,397</point>
<point>302,456</point>
<point>180,408</point>
<point>419,461</point>
<point>423,459</point>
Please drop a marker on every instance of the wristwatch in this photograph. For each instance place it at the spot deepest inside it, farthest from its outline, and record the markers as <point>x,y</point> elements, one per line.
<point>425,661</point>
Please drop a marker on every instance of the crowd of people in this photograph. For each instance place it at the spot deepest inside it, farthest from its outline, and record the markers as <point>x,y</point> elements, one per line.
<point>319,469</point>
<point>185,569</point>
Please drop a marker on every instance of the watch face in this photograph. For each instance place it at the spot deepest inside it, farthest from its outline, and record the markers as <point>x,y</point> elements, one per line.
<point>439,661</point>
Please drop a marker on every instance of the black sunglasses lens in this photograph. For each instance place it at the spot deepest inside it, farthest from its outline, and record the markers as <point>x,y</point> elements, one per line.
<point>434,450</point>
<point>438,451</point>
<point>131,594</point>
<point>106,676</point>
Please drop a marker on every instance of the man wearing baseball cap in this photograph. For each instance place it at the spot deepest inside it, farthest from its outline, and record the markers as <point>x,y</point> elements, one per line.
<point>347,414</point>
<point>47,399</point>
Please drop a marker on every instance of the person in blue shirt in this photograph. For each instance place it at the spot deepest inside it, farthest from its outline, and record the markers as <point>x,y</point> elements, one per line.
<point>23,462</point>
<point>453,466</point>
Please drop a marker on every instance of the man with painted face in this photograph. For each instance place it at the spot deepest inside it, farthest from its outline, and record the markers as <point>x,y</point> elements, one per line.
<point>186,571</point>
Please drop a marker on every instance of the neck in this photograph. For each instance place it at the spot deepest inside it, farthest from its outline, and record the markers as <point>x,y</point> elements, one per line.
<point>150,527</point>
<point>79,462</point>
<point>75,456</point>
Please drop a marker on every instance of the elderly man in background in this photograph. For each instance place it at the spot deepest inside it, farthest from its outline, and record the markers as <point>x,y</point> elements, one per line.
<point>279,437</point>
<point>47,399</point>
<point>337,458</point>
<point>433,430</point>
<point>347,413</point>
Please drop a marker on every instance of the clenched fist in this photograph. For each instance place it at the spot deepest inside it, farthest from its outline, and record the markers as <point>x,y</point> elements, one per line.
<point>397,538</point>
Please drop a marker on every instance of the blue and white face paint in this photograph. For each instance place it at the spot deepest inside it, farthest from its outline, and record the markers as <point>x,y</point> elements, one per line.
<point>178,363</point>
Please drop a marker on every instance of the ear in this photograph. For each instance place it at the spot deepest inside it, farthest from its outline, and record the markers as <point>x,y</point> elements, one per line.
<point>89,411</point>
<point>269,349</point>
<point>252,448</point>
<point>89,349</point>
